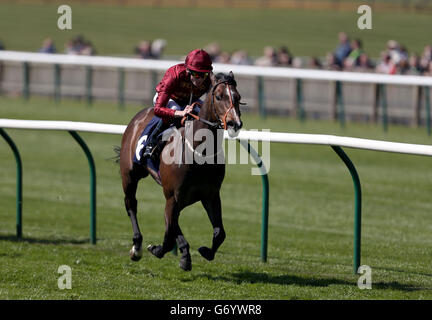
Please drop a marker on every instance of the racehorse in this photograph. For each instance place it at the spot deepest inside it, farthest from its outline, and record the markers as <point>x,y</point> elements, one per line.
<point>185,183</point>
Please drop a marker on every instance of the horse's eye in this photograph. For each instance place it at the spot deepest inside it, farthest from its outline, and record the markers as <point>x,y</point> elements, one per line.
<point>218,97</point>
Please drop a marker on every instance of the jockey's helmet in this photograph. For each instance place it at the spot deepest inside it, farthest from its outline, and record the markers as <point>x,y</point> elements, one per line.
<point>198,60</point>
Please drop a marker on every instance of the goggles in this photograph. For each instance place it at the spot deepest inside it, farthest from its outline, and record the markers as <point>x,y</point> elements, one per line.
<point>198,75</point>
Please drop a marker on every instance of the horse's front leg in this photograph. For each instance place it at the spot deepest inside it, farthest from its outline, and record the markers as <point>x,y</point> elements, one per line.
<point>171,229</point>
<point>214,212</point>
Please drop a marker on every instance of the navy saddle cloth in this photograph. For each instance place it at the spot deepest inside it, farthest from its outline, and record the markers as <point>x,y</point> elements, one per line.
<point>143,141</point>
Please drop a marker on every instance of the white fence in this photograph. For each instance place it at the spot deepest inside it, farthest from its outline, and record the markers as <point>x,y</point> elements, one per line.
<point>281,137</point>
<point>317,93</point>
<point>162,65</point>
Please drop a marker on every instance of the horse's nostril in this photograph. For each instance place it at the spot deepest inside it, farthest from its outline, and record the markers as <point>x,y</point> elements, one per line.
<point>235,125</point>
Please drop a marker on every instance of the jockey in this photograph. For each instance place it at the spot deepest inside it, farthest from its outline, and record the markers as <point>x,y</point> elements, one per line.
<point>181,85</point>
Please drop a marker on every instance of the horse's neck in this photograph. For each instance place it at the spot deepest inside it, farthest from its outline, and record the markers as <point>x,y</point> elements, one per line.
<point>206,113</point>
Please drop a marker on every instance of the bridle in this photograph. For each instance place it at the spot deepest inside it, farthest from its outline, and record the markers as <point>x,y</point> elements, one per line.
<point>221,123</point>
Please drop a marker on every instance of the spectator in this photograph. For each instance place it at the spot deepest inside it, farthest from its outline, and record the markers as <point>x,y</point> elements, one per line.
<point>69,47</point>
<point>48,46</point>
<point>386,65</point>
<point>79,46</point>
<point>315,63</point>
<point>428,71</point>
<point>414,64</point>
<point>157,47</point>
<point>364,63</point>
<point>144,50</point>
<point>352,60</point>
<point>423,65</point>
<point>214,50</point>
<point>284,57</point>
<point>427,53</point>
<point>297,62</point>
<point>241,58</point>
<point>269,59</point>
<point>343,49</point>
<point>404,55</point>
<point>87,49</point>
<point>332,62</point>
<point>394,51</point>
<point>224,57</point>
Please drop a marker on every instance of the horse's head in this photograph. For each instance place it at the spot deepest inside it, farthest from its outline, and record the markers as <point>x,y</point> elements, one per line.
<point>225,102</point>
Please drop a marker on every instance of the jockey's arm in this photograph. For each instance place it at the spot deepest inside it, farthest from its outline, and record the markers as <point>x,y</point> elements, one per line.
<point>168,114</point>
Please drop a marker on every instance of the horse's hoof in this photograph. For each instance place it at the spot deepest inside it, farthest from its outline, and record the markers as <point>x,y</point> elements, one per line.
<point>156,251</point>
<point>186,264</point>
<point>206,253</point>
<point>134,254</point>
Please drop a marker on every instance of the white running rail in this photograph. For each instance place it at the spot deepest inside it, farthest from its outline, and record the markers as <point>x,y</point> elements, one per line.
<point>163,65</point>
<point>281,137</point>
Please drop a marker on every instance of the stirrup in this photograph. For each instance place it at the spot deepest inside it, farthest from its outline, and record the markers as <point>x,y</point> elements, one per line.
<point>148,151</point>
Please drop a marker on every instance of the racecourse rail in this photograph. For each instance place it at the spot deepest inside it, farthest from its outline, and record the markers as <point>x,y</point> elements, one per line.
<point>380,80</point>
<point>336,142</point>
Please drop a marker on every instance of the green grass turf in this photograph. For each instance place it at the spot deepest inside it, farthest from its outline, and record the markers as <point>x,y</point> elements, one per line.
<point>116,30</point>
<point>310,225</point>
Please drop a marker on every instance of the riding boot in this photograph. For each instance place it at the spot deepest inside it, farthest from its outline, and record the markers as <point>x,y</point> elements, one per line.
<point>152,141</point>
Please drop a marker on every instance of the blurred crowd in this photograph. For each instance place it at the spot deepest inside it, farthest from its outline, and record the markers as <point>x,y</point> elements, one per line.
<point>348,55</point>
<point>394,59</point>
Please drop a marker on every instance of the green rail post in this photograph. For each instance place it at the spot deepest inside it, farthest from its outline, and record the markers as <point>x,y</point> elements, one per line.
<point>357,212</point>
<point>261,97</point>
<point>57,83</point>
<point>89,85</point>
<point>340,104</point>
<point>383,97</point>
<point>265,197</point>
<point>428,109</point>
<point>121,88</point>
<point>18,182</point>
<point>92,185</point>
<point>26,80</point>
<point>301,115</point>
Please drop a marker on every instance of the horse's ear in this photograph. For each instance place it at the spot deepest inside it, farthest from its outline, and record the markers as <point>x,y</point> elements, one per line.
<point>231,74</point>
<point>213,78</point>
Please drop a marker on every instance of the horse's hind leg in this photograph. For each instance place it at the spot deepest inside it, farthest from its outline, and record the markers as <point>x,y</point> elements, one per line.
<point>183,245</point>
<point>130,188</point>
<point>214,212</point>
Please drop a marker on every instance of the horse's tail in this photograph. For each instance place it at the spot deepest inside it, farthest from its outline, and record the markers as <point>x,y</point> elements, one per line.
<point>116,158</point>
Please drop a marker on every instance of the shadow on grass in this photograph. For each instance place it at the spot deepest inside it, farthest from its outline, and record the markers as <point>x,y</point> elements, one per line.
<point>14,238</point>
<point>265,278</point>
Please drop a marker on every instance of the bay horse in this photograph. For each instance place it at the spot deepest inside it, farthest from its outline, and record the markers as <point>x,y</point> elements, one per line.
<point>186,183</point>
